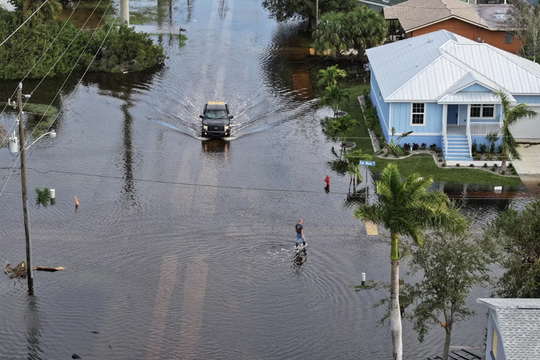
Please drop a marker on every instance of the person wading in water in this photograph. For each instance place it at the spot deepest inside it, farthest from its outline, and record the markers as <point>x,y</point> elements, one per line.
<point>300,233</point>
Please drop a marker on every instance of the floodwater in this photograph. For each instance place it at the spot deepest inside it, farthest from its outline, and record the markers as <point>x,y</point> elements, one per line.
<point>182,248</point>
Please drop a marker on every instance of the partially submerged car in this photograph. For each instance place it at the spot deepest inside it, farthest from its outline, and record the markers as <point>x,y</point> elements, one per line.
<point>216,120</point>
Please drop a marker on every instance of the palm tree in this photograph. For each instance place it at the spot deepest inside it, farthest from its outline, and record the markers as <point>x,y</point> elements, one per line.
<point>406,208</point>
<point>366,28</point>
<point>328,77</point>
<point>511,116</point>
<point>334,96</point>
<point>328,35</point>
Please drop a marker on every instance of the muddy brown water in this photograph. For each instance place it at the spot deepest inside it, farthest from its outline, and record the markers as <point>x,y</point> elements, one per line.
<point>182,248</point>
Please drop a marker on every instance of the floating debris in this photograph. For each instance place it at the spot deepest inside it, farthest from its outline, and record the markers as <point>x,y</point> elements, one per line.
<point>50,269</point>
<point>18,271</point>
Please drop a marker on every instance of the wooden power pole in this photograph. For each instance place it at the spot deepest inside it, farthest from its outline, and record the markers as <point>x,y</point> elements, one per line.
<point>25,194</point>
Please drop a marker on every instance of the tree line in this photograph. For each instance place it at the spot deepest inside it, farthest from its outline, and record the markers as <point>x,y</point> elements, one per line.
<point>48,46</point>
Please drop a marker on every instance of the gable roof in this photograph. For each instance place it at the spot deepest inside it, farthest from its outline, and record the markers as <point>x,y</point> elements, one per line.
<point>518,322</point>
<point>405,70</point>
<point>416,14</point>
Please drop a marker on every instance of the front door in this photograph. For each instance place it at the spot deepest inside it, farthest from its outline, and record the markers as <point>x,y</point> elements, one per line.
<point>452,115</point>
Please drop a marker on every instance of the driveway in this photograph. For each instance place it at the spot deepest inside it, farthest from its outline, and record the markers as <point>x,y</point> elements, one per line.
<point>528,167</point>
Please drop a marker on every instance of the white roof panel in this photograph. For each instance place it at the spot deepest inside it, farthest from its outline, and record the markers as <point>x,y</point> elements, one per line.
<point>425,67</point>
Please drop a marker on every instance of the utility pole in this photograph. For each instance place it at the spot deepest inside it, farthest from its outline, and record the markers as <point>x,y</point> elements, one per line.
<point>316,13</point>
<point>124,12</point>
<point>25,193</point>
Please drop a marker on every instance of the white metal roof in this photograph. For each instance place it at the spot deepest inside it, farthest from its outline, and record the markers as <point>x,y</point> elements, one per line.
<point>472,97</point>
<point>427,67</point>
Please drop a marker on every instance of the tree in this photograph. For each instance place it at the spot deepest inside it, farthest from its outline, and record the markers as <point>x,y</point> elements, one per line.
<point>335,96</point>
<point>407,208</point>
<point>340,34</point>
<point>525,18</point>
<point>353,168</point>
<point>284,10</point>
<point>451,265</point>
<point>328,37</point>
<point>511,116</point>
<point>518,234</point>
<point>337,127</point>
<point>329,76</point>
<point>367,28</point>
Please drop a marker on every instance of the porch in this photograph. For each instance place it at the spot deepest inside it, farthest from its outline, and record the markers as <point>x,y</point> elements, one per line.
<point>460,125</point>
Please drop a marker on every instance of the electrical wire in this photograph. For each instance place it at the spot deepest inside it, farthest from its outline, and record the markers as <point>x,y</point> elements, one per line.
<point>38,61</point>
<point>72,69</point>
<point>67,77</point>
<point>25,21</point>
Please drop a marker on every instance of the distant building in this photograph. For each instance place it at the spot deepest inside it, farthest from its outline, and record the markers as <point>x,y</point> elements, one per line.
<point>380,4</point>
<point>513,329</point>
<point>487,22</point>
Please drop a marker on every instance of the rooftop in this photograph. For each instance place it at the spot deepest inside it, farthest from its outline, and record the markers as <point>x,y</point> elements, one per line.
<point>518,321</point>
<point>416,14</point>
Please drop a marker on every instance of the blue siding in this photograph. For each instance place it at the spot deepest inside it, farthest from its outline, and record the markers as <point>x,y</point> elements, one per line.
<point>476,87</point>
<point>429,140</point>
<point>382,107</point>
<point>401,118</point>
<point>527,99</point>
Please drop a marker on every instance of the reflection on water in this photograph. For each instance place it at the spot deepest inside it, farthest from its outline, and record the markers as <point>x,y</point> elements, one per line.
<point>33,329</point>
<point>215,146</point>
<point>204,268</point>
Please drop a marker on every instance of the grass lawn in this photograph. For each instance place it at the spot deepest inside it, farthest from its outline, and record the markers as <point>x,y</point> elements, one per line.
<point>421,164</point>
<point>358,134</point>
<point>425,166</point>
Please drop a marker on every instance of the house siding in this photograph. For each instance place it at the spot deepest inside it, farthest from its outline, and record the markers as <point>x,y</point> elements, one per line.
<point>529,100</point>
<point>473,32</point>
<point>492,327</point>
<point>476,87</point>
<point>383,108</point>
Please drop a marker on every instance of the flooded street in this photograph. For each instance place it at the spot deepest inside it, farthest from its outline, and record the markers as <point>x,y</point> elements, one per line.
<point>181,248</point>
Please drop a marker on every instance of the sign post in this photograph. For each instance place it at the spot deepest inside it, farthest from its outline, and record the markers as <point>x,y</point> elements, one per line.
<point>366,164</point>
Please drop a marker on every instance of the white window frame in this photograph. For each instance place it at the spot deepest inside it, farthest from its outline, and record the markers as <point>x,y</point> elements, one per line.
<point>423,113</point>
<point>482,111</point>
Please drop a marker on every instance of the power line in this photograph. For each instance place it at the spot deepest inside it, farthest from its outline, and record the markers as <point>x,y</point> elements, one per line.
<point>25,21</point>
<point>72,69</point>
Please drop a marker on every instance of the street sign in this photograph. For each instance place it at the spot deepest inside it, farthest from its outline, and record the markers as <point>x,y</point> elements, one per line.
<point>368,163</point>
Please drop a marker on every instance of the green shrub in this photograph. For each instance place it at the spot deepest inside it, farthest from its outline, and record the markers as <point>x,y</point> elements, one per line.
<point>485,165</point>
<point>457,165</point>
<point>472,165</point>
<point>483,148</point>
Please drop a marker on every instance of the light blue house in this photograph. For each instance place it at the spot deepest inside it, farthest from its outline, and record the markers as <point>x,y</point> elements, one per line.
<point>513,329</point>
<point>442,87</point>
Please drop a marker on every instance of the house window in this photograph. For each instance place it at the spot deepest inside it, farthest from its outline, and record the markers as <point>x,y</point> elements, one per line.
<point>418,112</point>
<point>482,111</point>
<point>508,37</point>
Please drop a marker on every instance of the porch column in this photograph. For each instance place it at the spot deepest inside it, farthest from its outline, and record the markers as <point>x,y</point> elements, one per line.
<point>468,118</point>
<point>444,117</point>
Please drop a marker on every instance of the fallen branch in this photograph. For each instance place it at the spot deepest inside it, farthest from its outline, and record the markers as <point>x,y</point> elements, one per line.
<point>51,269</point>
